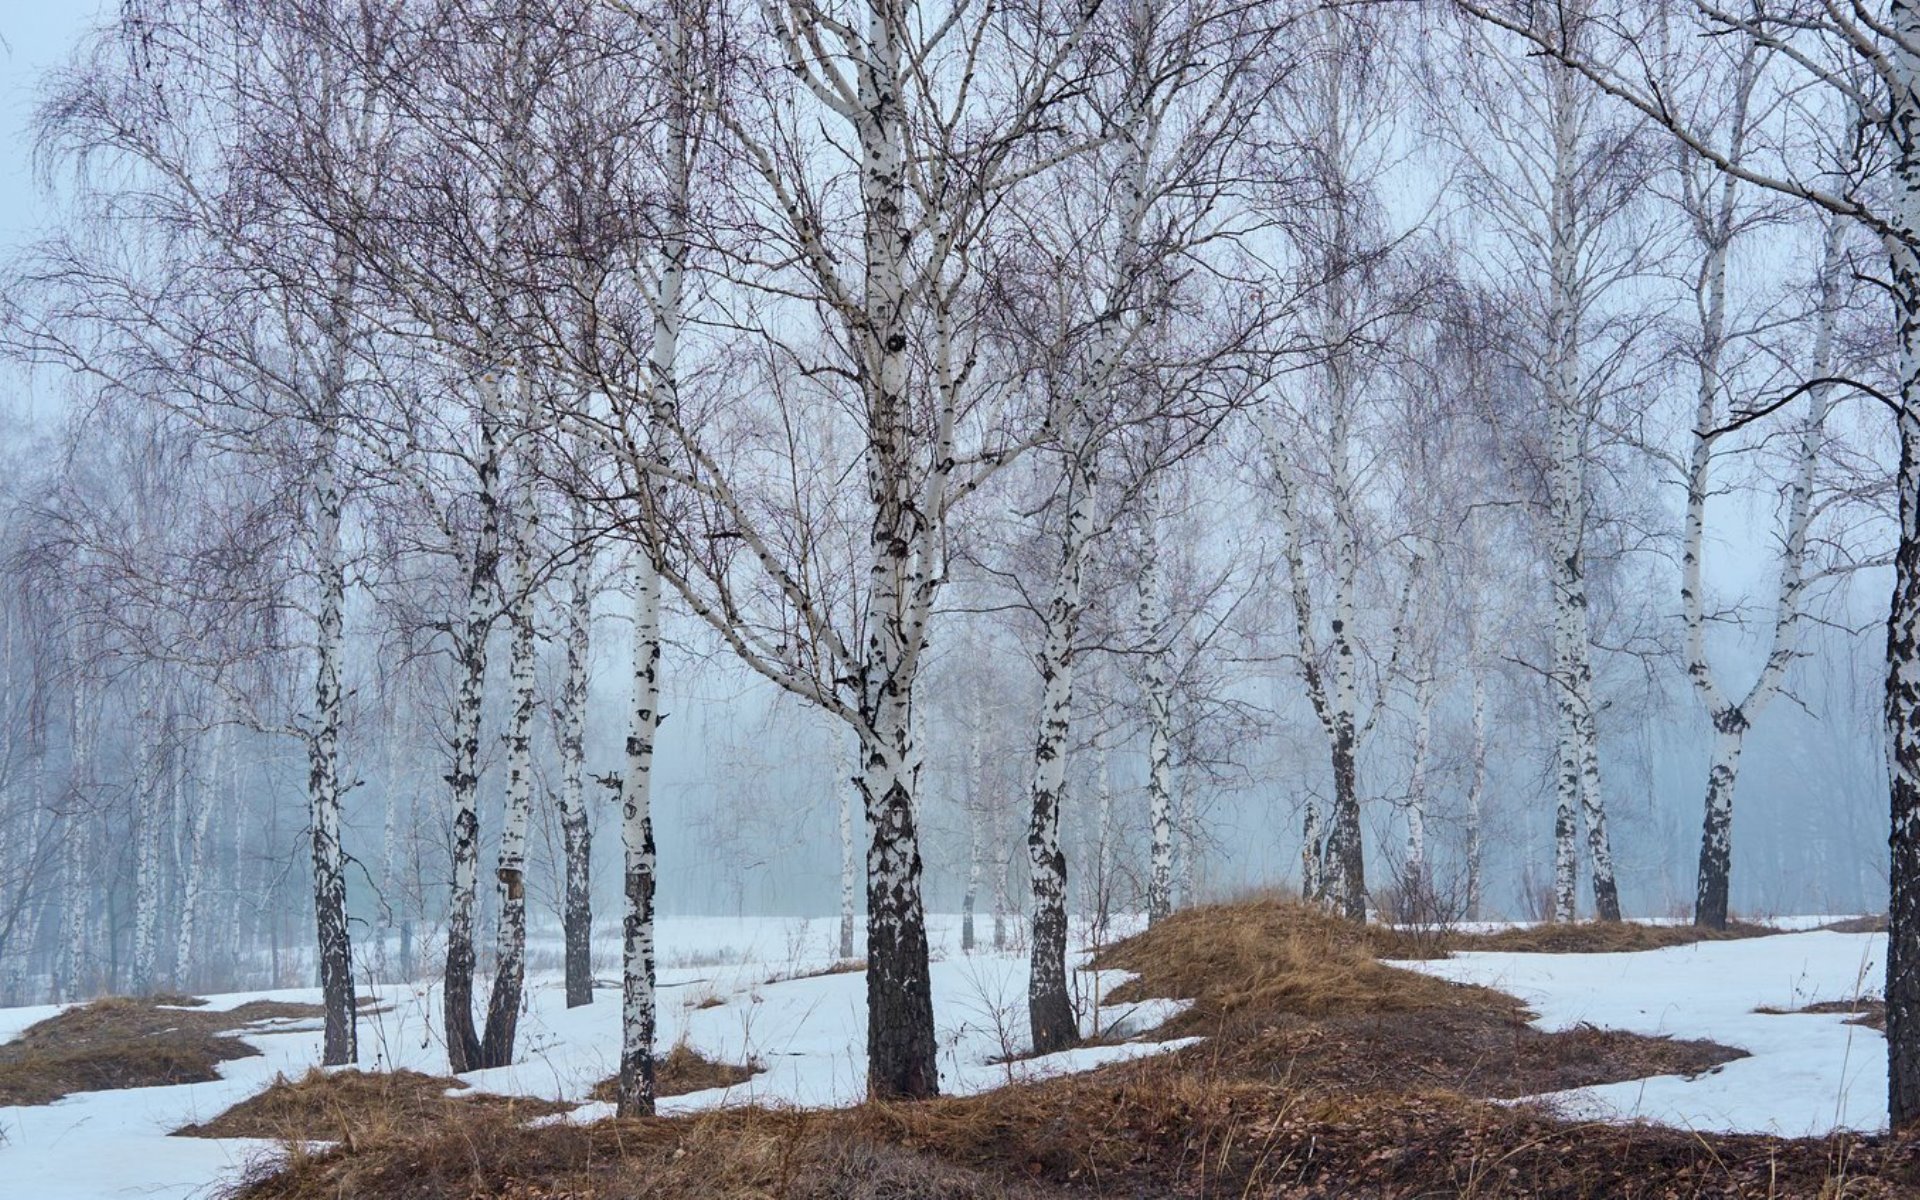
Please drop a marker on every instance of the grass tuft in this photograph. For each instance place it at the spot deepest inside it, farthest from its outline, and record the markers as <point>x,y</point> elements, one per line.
<point>684,1070</point>
<point>351,1106</point>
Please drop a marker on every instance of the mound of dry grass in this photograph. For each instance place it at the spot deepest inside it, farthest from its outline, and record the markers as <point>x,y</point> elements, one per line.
<point>1286,994</point>
<point>1602,937</point>
<point>684,1070</point>
<point>1273,954</point>
<point>127,1043</point>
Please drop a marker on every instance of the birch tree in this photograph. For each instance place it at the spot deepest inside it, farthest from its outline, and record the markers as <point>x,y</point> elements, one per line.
<point>571,712</point>
<point>881,256</point>
<point>1719,212</point>
<point>1313,426</point>
<point>1868,62</point>
<point>258,148</point>
<point>1558,179</point>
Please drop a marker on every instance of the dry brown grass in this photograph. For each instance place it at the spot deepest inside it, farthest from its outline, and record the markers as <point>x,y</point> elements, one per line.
<point>728,1154</point>
<point>1866,1011</point>
<point>1273,954</point>
<point>350,1106</point>
<point>1286,994</point>
<point>1857,925</point>
<point>127,1043</point>
<point>1147,1129</point>
<point>1602,937</point>
<point>683,1070</point>
<point>1326,1074</point>
<point>844,966</point>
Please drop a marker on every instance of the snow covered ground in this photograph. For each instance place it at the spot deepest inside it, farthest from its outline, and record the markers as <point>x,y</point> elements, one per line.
<point>808,1031</point>
<point>1807,1073</point>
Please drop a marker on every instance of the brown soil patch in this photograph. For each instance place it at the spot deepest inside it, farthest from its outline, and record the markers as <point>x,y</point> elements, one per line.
<point>1602,937</point>
<point>684,1070</point>
<point>128,1043</point>
<point>348,1106</point>
<point>1866,1011</point>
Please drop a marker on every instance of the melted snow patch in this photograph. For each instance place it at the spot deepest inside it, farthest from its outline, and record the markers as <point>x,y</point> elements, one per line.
<point>1806,1074</point>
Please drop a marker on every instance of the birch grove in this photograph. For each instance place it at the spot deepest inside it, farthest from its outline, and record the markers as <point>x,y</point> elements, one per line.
<point>905,462</point>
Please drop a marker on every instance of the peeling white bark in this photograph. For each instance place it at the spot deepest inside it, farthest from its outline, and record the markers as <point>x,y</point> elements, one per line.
<point>463,1041</point>
<point>1049,1005</point>
<point>1418,884</point>
<point>570,721</point>
<point>509,978</point>
<point>1159,705</point>
<point>639,1017</point>
<point>1577,751</point>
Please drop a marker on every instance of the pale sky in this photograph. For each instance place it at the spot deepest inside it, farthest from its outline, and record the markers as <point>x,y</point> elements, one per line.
<point>37,34</point>
<point>34,35</point>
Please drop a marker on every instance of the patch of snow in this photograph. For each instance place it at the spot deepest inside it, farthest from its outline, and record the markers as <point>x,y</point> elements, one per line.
<point>717,993</point>
<point>1806,1074</point>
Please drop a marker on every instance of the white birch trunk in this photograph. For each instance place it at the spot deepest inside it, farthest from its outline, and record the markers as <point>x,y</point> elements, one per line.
<point>194,866</point>
<point>1312,886</point>
<point>638,1014</point>
<point>1419,889</point>
<point>509,979</point>
<point>1049,1004</point>
<point>463,1040</point>
<point>639,1018</point>
<point>1159,705</point>
<point>576,829</point>
<point>1332,868</point>
<point>1476,790</point>
<point>323,766</point>
<point>73,962</point>
<point>1731,718</point>
<point>1103,849</point>
<point>1577,753</point>
<point>1903,622</point>
<point>900,1032</point>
